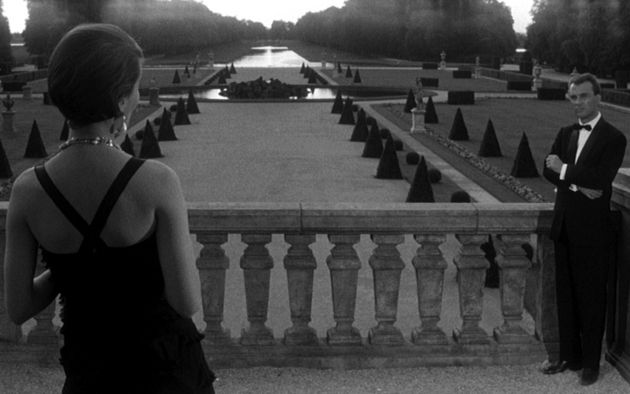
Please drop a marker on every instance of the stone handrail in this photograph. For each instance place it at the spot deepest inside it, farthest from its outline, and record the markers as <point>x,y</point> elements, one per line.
<point>343,345</point>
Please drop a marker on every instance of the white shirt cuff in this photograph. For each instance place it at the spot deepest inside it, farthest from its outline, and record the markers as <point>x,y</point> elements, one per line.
<point>563,172</point>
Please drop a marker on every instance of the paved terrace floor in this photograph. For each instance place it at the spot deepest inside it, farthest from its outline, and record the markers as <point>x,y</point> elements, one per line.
<point>297,152</point>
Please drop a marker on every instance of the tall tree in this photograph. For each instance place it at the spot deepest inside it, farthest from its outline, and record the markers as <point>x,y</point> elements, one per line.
<point>6,58</point>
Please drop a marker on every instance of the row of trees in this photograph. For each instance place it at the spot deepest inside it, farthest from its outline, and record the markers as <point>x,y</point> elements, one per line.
<point>591,35</point>
<point>6,58</point>
<point>160,27</point>
<point>414,29</point>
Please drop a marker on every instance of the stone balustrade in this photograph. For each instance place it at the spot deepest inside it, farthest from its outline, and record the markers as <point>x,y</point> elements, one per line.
<point>525,285</point>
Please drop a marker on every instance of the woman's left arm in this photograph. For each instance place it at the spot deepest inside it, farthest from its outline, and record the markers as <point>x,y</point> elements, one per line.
<point>25,294</point>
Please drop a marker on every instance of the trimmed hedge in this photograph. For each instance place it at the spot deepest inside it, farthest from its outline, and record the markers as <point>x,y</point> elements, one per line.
<point>462,74</point>
<point>607,85</point>
<point>551,94</point>
<point>519,85</point>
<point>13,86</point>
<point>430,82</point>
<point>429,66</point>
<point>459,97</point>
<point>618,97</point>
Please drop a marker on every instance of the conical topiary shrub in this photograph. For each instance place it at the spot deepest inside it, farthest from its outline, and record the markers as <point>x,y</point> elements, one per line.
<point>430,116</point>
<point>489,144</point>
<point>357,77</point>
<point>459,132</point>
<point>339,70</point>
<point>181,116</point>
<point>307,72</point>
<point>492,273</point>
<point>302,69</point>
<point>337,107</point>
<point>374,144</point>
<point>191,103</point>
<point>460,196</point>
<point>347,116</point>
<point>524,165</point>
<point>150,148</point>
<point>312,78</point>
<point>348,72</point>
<point>127,146</point>
<point>166,132</point>
<point>232,69</point>
<point>360,132</point>
<point>5,166</point>
<point>226,72</point>
<point>421,190</point>
<point>65,131</point>
<point>388,166</point>
<point>411,102</point>
<point>176,78</point>
<point>35,148</point>
<point>221,80</point>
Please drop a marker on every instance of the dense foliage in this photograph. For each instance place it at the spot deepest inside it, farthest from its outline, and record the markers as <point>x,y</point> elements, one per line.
<point>168,27</point>
<point>414,29</point>
<point>591,35</point>
<point>6,59</point>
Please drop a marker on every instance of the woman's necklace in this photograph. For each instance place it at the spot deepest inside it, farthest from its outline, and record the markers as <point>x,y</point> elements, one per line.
<point>88,141</point>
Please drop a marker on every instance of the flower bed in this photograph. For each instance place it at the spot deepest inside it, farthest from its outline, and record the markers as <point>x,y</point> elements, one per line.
<point>261,89</point>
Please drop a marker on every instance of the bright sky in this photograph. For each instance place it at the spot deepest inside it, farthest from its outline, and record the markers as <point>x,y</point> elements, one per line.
<point>266,11</point>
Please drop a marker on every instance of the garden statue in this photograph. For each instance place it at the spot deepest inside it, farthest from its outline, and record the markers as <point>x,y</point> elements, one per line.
<point>418,94</point>
<point>417,113</point>
<point>7,115</point>
<point>537,71</point>
<point>477,67</point>
<point>154,92</point>
<point>8,103</point>
<point>443,60</point>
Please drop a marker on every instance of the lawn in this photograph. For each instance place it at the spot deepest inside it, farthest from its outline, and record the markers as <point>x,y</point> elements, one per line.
<point>539,120</point>
<point>406,78</point>
<point>50,123</point>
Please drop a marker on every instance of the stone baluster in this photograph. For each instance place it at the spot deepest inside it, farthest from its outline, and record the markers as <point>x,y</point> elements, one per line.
<point>513,265</point>
<point>471,273</point>
<point>256,263</point>
<point>545,304</point>
<point>8,331</point>
<point>344,265</point>
<point>44,333</point>
<point>212,263</point>
<point>386,266</point>
<point>430,266</point>
<point>300,264</point>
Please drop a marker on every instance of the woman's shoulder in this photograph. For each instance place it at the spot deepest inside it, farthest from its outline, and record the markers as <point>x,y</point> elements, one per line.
<point>25,184</point>
<point>158,172</point>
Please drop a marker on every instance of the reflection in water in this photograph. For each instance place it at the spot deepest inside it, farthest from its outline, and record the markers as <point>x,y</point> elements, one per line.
<point>270,56</point>
<point>215,94</point>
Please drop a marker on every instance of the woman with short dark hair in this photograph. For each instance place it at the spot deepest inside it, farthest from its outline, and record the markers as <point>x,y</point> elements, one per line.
<point>113,234</point>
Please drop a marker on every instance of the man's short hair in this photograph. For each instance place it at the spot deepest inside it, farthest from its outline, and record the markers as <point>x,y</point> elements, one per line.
<point>586,77</point>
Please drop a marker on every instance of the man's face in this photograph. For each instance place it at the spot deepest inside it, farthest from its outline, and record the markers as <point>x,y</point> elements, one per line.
<point>585,101</point>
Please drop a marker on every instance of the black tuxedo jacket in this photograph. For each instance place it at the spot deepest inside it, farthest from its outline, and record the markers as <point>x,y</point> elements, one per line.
<point>587,222</point>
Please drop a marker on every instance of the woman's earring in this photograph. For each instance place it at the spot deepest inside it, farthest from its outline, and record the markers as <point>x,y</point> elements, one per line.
<point>122,129</point>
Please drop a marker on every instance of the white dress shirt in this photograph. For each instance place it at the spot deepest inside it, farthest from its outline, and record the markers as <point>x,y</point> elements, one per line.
<point>583,137</point>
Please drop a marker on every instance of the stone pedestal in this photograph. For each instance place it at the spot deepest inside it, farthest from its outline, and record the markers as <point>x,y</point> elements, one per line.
<point>27,92</point>
<point>442,65</point>
<point>417,121</point>
<point>154,96</point>
<point>538,83</point>
<point>7,122</point>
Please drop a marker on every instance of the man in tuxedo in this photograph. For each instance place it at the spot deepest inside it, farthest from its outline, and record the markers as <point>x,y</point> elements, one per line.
<point>583,162</point>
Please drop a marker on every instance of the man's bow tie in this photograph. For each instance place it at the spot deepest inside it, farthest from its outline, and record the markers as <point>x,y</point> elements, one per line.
<point>578,126</point>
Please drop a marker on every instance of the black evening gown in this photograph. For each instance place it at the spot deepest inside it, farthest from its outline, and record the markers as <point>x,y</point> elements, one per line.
<point>120,334</point>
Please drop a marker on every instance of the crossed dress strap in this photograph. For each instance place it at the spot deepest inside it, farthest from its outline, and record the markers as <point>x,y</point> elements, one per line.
<point>91,232</point>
